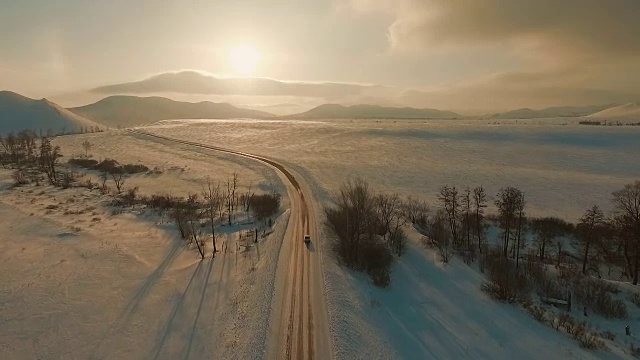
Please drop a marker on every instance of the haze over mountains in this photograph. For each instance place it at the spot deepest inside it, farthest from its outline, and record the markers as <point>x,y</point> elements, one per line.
<point>18,112</point>
<point>126,111</point>
<point>557,111</point>
<point>336,111</point>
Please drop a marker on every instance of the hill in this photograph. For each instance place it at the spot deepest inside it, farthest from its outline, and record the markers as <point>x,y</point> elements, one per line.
<point>18,112</point>
<point>552,112</point>
<point>336,111</point>
<point>127,111</point>
<point>629,111</point>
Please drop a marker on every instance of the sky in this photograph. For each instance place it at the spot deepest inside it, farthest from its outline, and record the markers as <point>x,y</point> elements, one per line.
<point>461,55</point>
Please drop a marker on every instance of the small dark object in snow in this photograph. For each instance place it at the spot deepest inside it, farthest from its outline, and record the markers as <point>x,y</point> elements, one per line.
<point>627,330</point>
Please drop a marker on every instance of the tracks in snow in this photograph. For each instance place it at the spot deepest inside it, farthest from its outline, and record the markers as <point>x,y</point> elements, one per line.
<point>298,323</point>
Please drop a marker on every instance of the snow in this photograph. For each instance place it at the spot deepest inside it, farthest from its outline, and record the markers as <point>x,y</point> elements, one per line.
<point>121,288</point>
<point>82,281</point>
<point>629,111</point>
<point>562,170</point>
<point>431,310</point>
<point>18,113</point>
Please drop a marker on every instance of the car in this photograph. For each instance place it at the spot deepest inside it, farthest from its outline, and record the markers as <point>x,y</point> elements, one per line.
<point>307,239</point>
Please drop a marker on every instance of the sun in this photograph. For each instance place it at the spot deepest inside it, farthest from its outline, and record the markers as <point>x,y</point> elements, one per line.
<point>244,59</point>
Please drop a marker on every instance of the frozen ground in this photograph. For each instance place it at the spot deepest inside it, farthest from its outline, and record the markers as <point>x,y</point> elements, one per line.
<point>432,311</point>
<point>563,169</point>
<point>80,281</point>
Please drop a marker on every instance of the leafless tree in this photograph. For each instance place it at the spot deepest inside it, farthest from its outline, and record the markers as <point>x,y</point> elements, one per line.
<point>118,177</point>
<point>440,234</point>
<point>86,145</point>
<point>589,232</point>
<point>546,231</point>
<point>480,203</point>
<point>451,205</point>
<point>508,203</point>
<point>466,221</point>
<point>213,201</point>
<point>627,207</point>
<point>49,160</point>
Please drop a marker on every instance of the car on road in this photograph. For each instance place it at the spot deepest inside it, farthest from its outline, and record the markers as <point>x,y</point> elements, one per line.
<point>307,239</point>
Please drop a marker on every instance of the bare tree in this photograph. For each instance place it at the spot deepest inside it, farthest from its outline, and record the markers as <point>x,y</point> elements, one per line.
<point>86,145</point>
<point>507,202</point>
<point>49,160</point>
<point>480,203</point>
<point>627,207</point>
<point>466,222</point>
<point>213,199</point>
<point>440,234</point>
<point>118,176</point>
<point>589,232</point>
<point>450,202</point>
<point>546,231</point>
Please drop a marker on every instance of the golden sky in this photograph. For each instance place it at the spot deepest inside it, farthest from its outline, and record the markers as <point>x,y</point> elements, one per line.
<point>462,55</point>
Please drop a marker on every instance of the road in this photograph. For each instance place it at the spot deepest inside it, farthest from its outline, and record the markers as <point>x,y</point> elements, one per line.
<point>298,326</point>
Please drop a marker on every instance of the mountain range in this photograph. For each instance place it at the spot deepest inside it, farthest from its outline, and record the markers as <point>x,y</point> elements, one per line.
<point>125,111</point>
<point>18,112</point>
<point>336,111</point>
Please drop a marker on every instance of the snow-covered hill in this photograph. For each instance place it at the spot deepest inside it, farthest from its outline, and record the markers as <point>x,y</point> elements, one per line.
<point>624,112</point>
<point>18,113</point>
<point>552,112</point>
<point>129,111</point>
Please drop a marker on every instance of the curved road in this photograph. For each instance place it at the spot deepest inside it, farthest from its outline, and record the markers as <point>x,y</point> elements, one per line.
<point>298,326</point>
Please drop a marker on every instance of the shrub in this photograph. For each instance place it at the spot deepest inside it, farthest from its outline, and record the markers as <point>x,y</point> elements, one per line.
<point>134,168</point>
<point>355,227</point>
<point>538,312</point>
<point>264,206</point>
<point>19,178</point>
<point>83,163</point>
<point>505,283</point>
<point>596,295</point>
<point>607,335</point>
<point>635,299</point>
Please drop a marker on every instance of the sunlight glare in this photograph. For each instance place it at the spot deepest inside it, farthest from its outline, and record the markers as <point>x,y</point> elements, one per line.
<point>244,59</point>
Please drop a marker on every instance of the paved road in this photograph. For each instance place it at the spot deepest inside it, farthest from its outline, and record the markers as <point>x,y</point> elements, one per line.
<point>298,326</point>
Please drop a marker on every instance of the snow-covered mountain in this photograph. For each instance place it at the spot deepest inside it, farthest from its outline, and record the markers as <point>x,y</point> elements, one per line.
<point>552,112</point>
<point>127,111</point>
<point>18,112</point>
<point>336,111</point>
<point>624,112</point>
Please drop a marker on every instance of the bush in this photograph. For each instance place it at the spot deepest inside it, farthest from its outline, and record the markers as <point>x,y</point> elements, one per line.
<point>356,229</point>
<point>538,312</point>
<point>596,295</point>
<point>264,206</point>
<point>19,178</point>
<point>134,168</point>
<point>635,299</point>
<point>83,163</point>
<point>505,283</point>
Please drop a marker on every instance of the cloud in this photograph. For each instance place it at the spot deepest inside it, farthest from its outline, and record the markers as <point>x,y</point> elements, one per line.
<point>199,83</point>
<point>511,90</point>
<point>568,26</point>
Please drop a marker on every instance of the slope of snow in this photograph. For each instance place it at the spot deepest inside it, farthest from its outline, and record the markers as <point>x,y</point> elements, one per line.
<point>81,281</point>
<point>18,113</point>
<point>629,111</point>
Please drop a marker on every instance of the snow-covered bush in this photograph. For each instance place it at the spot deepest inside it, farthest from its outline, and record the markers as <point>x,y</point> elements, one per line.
<point>597,295</point>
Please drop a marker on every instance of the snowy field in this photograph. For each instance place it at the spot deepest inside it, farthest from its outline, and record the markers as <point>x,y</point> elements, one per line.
<point>84,280</point>
<point>562,167</point>
<point>431,311</point>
